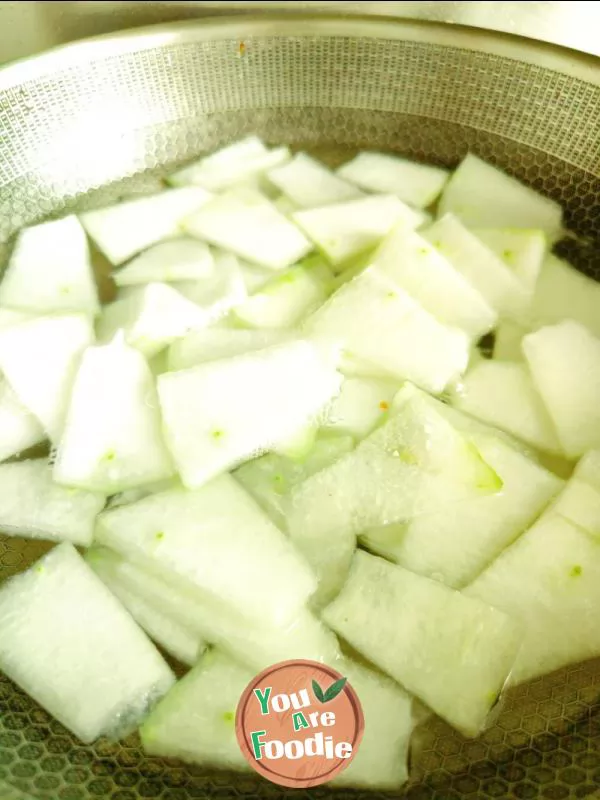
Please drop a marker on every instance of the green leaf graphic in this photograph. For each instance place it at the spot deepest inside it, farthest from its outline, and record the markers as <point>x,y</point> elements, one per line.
<point>334,689</point>
<point>318,692</point>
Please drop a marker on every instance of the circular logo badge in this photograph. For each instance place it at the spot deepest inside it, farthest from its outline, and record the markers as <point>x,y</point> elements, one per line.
<point>299,723</point>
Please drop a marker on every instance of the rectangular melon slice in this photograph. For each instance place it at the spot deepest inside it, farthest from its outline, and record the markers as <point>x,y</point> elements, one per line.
<point>415,184</point>
<point>33,506</point>
<point>69,643</point>
<point>215,540</point>
<point>588,469</point>
<point>549,580</point>
<point>254,276</point>
<point>564,360</point>
<point>507,340</point>
<point>181,259</point>
<point>220,291</point>
<point>308,183</point>
<point>522,250</point>
<point>453,652</point>
<point>247,223</point>
<point>123,230</point>
<point>211,344</point>
<point>218,414</point>
<point>113,437</point>
<point>580,504</point>
<point>483,196</point>
<point>361,405</point>
<point>19,429</point>
<point>39,359</point>
<point>50,270</point>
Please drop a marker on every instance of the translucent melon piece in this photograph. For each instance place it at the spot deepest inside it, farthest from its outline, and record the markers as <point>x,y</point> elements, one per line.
<point>503,394</point>
<point>133,495</point>
<point>181,642</point>
<point>195,722</point>
<point>522,251</point>
<point>381,761</point>
<point>287,298</point>
<point>39,359</point>
<point>112,438</point>
<point>248,224</point>
<point>123,230</point>
<point>580,504</point>
<point>33,506</point>
<point>212,344</point>
<point>483,196</point>
<point>454,544</point>
<point>507,341</point>
<point>415,184</point>
<point>345,230</point>
<point>270,478</point>
<point>360,406</point>
<point>549,580</point>
<point>181,259</point>
<point>71,645</point>
<point>562,292</point>
<point>588,469</point>
<point>453,652</point>
<point>221,291</point>
<point>151,318</point>
<point>415,265</point>
<point>375,321</point>
<point>309,184</point>
<point>254,277</point>
<point>214,539</point>
<point>285,205</point>
<point>9,317</point>
<point>218,414</point>
<point>223,159</point>
<point>19,429</point>
<point>487,273</point>
<point>564,360</point>
<point>50,270</point>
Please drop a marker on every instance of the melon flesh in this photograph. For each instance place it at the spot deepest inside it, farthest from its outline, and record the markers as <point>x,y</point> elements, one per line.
<point>191,536</point>
<point>564,360</point>
<point>218,293</point>
<point>247,223</point>
<point>361,405</point>
<point>123,230</point>
<point>507,341</point>
<point>588,469</point>
<point>211,344</point>
<point>254,277</point>
<point>415,184</point>
<point>113,438</point>
<point>19,430</point>
<point>50,270</point>
<point>580,504</point>
<point>453,652</point>
<point>549,580</point>
<point>69,643</point>
<point>523,251</point>
<point>33,506</point>
<point>218,414</point>
<point>308,183</point>
<point>483,196</point>
<point>39,359</point>
<point>181,259</point>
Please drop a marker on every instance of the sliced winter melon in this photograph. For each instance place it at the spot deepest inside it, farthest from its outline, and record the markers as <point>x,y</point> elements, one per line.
<point>309,184</point>
<point>345,230</point>
<point>9,317</point>
<point>361,405</point>
<point>453,652</point>
<point>19,429</point>
<point>212,344</point>
<point>181,259</point>
<point>50,270</point>
<point>580,504</point>
<point>549,580</point>
<point>522,251</point>
<point>247,223</point>
<point>564,360</point>
<point>588,469</point>
<point>254,277</point>
<point>123,230</point>
<point>69,643</point>
<point>507,340</point>
<point>192,535</point>
<point>39,359</point>
<point>483,196</point>
<point>218,414</point>
<point>221,291</point>
<point>112,438</point>
<point>415,184</point>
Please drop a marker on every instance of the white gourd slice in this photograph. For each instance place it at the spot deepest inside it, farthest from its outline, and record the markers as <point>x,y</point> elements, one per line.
<point>402,621</point>
<point>50,270</point>
<point>125,229</point>
<point>39,358</point>
<point>580,504</point>
<point>151,318</point>
<point>254,277</point>
<point>361,405</point>
<point>415,265</point>
<point>309,184</point>
<point>33,506</point>
<point>221,291</point>
<point>588,469</point>
<point>483,196</point>
<point>247,223</point>
<point>221,160</point>
<point>220,413</point>
<point>69,643</point>
<point>523,251</point>
<point>502,393</point>
<point>181,259</point>
<point>9,317</point>
<point>416,184</point>
<point>19,429</point>
<point>191,535</point>
<point>564,360</point>
<point>181,642</point>
<point>112,439</point>
<point>211,344</point>
<point>375,321</point>
<point>507,340</point>
<point>549,580</point>
<point>345,230</point>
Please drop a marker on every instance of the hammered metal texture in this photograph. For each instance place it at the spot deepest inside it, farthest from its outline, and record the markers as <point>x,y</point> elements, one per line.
<point>86,135</point>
